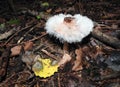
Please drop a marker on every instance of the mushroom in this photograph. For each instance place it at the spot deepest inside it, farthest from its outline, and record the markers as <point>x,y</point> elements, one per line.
<point>68,28</point>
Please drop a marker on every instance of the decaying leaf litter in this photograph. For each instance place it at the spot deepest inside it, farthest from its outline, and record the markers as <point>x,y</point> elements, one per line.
<point>95,62</point>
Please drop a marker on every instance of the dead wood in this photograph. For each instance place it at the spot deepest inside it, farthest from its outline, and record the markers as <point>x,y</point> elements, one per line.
<point>18,31</point>
<point>111,76</point>
<point>109,40</point>
<point>6,34</point>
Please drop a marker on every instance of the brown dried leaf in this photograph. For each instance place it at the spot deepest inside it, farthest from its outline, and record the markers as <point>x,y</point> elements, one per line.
<point>66,58</point>
<point>58,10</point>
<point>28,45</point>
<point>16,50</point>
<point>49,10</point>
<point>77,64</point>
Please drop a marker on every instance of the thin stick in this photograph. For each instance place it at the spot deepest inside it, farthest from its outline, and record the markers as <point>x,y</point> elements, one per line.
<point>59,80</point>
<point>49,54</point>
<point>6,34</point>
<point>19,30</point>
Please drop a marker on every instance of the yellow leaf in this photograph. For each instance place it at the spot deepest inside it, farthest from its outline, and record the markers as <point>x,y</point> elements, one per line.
<point>46,70</point>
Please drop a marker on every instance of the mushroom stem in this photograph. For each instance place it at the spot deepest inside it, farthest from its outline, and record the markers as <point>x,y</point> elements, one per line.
<point>65,47</point>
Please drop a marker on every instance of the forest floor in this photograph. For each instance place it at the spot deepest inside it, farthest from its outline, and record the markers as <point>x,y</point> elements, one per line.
<point>23,37</point>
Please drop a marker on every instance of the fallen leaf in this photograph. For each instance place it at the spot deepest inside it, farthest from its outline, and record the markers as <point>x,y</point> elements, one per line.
<point>14,21</point>
<point>45,4</point>
<point>58,10</point>
<point>43,68</point>
<point>28,58</point>
<point>49,10</point>
<point>28,45</point>
<point>38,17</point>
<point>77,64</point>
<point>2,26</point>
<point>66,58</point>
<point>16,50</point>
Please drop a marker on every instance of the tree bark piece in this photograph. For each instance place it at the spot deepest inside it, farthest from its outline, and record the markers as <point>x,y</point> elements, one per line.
<point>109,40</point>
<point>6,34</point>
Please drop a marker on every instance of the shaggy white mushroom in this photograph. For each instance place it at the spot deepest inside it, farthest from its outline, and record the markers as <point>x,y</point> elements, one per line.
<point>68,28</point>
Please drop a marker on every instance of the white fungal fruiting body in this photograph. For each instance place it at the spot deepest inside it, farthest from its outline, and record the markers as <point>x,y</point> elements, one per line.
<point>70,31</point>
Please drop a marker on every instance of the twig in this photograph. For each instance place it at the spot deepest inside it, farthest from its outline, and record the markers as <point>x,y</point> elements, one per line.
<point>111,76</point>
<point>25,34</point>
<point>36,38</point>
<point>49,54</point>
<point>17,33</point>
<point>111,21</point>
<point>102,25</point>
<point>59,85</point>
<point>106,77</point>
<point>111,15</point>
<point>7,34</point>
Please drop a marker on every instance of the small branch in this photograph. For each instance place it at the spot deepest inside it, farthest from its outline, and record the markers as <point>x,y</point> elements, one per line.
<point>19,41</point>
<point>19,30</point>
<point>111,76</point>
<point>59,85</point>
<point>109,40</point>
<point>6,34</point>
<point>49,54</point>
<point>36,38</point>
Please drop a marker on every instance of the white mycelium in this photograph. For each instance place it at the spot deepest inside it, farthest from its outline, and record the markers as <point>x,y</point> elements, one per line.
<point>69,28</point>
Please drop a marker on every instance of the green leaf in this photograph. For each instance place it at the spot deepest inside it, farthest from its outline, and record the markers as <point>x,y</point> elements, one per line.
<point>2,26</point>
<point>38,17</point>
<point>14,21</point>
<point>45,4</point>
